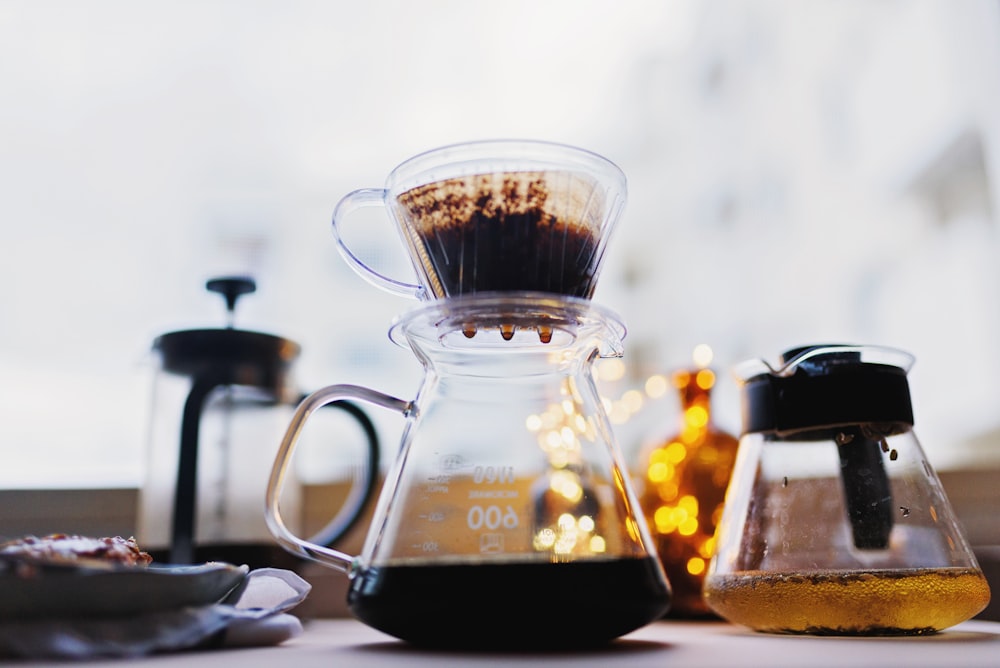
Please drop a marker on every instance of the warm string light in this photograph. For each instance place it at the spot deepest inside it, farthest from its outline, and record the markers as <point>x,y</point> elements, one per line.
<point>572,529</point>
<point>680,515</point>
<point>685,479</point>
<point>559,430</point>
<point>656,386</point>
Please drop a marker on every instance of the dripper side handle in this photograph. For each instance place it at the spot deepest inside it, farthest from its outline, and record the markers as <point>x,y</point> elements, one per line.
<point>327,556</point>
<point>368,197</point>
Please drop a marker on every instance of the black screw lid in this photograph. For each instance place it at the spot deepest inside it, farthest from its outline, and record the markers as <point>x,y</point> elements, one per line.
<point>825,386</point>
<point>232,356</point>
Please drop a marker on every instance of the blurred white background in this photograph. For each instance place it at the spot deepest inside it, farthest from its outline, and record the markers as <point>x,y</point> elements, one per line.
<point>799,173</point>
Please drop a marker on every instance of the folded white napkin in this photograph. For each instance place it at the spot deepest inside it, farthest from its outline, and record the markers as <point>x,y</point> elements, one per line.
<point>253,614</point>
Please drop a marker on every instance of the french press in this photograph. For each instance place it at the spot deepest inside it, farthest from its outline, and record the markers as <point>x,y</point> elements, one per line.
<point>232,392</point>
<point>507,519</point>
<point>834,521</point>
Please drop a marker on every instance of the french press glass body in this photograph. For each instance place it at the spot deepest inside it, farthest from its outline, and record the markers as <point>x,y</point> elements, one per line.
<point>835,521</point>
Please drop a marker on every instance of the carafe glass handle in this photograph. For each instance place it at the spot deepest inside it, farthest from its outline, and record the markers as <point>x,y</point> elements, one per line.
<point>272,513</point>
<point>358,199</point>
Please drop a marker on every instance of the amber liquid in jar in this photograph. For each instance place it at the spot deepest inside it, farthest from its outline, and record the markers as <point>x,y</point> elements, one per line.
<point>684,490</point>
<point>877,602</point>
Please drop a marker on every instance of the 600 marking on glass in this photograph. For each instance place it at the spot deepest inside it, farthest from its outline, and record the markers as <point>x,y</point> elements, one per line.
<point>483,514</point>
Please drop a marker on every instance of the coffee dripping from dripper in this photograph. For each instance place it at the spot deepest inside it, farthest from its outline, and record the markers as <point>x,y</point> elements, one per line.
<point>507,519</point>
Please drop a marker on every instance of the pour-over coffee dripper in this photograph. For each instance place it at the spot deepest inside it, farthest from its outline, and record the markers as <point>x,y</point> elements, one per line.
<point>496,216</point>
<point>508,519</point>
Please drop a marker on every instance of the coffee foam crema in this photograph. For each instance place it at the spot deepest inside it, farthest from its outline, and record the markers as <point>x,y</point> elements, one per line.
<point>562,197</point>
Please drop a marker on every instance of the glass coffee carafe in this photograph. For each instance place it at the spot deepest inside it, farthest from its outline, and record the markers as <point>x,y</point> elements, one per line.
<point>835,522</point>
<point>508,519</point>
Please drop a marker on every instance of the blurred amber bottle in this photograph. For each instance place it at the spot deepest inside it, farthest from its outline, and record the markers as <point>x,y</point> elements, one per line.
<point>686,476</point>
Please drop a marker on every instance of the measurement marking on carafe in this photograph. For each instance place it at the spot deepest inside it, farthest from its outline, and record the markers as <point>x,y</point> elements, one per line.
<point>493,494</point>
<point>491,517</point>
<point>503,475</point>
<point>426,546</point>
<point>451,462</point>
<point>491,543</point>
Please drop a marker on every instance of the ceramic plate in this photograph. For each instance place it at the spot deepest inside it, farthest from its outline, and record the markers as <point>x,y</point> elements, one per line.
<point>65,591</point>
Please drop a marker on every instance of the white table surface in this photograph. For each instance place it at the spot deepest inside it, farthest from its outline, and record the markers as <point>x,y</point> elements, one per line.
<point>341,643</point>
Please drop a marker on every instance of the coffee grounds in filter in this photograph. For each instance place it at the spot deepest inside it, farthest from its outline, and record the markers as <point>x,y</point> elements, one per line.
<point>507,232</point>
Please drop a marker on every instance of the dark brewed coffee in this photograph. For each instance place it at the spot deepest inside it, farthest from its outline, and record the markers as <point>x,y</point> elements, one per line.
<point>520,231</point>
<point>511,606</point>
